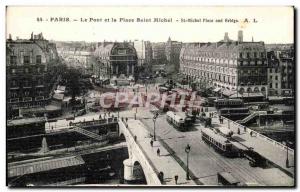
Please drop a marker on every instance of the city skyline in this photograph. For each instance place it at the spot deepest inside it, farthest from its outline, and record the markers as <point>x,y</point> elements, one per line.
<point>280,21</point>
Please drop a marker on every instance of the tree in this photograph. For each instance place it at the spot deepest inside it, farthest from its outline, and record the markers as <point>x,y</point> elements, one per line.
<point>73,82</point>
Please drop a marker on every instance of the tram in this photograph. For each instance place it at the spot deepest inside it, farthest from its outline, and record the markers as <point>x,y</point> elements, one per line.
<point>234,113</point>
<point>228,103</point>
<point>181,122</point>
<point>218,142</point>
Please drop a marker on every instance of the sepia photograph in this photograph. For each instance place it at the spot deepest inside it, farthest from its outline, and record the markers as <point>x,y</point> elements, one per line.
<point>150,96</point>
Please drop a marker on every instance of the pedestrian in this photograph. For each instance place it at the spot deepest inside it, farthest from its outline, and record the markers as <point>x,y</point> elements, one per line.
<point>176,179</point>
<point>245,129</point>
<point>151,143</point>
<point>238,131</point>
<point>251,133</point>
<point>135,138</point>
<point>158,152</point>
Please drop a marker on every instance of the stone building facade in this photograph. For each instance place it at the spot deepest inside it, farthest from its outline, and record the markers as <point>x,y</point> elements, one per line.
<point>287,65</point>
<point>114,59</point>
<point>281,71</point>
<point>274,74</point>
<point>172,52</point>
<point>227,65</point>
<point>31,74</point>
<point>144,54</point>
<point>159,53</point>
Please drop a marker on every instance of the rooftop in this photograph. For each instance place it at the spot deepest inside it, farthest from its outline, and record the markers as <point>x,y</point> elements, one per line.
<point>25,121</point>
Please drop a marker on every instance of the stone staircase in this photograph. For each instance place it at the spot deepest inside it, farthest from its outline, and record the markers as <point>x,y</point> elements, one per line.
<point>251,116</point>
<point>88,133</point>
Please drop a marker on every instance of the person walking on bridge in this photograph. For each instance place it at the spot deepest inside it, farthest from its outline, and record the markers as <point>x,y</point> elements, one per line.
<point>158,152</point>
<point>176,179</point>
<point>151,143</point>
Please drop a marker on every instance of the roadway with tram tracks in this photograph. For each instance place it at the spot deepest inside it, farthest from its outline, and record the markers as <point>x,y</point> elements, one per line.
<point>205,162</point>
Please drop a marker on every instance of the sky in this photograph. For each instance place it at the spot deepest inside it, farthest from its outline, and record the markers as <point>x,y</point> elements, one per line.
<point>273,24</point>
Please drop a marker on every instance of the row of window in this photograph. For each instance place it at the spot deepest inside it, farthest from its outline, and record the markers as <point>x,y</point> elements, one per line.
<point>249,90</point>
<point>26,59</point>
<point>276,77</point>
<point>271,85</point>
<point>209,60</point>
<point>213,76</point>
<point>25,94</point>
<point>274,70</point>
<point>225,63</point>
<point>28,70</point>
<point>212,68</point>
<point>26,83</point>
<point>203,55</point>
<point>249,72</point>
<point>210,139</point>
<point>252,63</point>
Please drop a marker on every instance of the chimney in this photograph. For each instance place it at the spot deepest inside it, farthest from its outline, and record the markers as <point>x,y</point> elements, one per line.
<point>9,37</point>
<point>240,36</point>
<point>31,36</point>
<point>252,39</point>
<point>226,37</point>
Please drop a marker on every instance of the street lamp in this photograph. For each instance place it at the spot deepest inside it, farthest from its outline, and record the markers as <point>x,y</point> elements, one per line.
<point>154,120</point>
<point>228,114</point>
<point>135,106</point>
<point>187,150</point>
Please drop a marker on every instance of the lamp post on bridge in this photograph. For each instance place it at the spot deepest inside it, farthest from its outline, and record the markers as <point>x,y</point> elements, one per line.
<point>287,155</point>
<point>187,150</point>
<point>228,114</point>
<point>154,120</point>
<point>136,94</point>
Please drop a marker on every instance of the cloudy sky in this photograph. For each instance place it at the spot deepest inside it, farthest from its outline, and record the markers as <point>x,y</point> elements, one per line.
<point>273,24</point>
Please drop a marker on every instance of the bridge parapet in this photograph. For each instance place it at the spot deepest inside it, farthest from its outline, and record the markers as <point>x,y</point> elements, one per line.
<point>261,136</point>
<point>136,153</point>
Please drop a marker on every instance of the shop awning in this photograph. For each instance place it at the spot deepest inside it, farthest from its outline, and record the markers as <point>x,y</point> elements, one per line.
<point>228,93</point>
<point>61,88</point>
<point>217,89</point>
<point>58,96</point>
<point>247,95</point>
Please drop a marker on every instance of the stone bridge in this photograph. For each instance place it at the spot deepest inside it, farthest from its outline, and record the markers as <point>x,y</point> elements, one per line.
<point>137,159</point>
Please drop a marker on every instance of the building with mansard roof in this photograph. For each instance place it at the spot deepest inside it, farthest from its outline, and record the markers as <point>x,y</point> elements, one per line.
<point>228,66</point>
<point>30,72</point>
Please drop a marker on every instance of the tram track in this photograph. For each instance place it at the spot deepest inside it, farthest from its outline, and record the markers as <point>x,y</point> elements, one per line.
<point>233,165</point>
